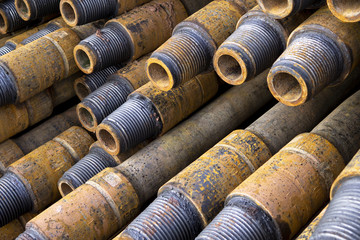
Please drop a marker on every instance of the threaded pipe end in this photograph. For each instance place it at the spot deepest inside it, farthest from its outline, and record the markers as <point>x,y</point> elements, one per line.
<point>240,219</point>
<point>30,234</point>
<point>346,11</point>
<point>14,199</point>
<point>79,12</point>
<point>252,48</point>
<point>97,79</point>
<point>100,103</point>
<point>342,218</point>
<point>43,32</point>
<point>179,59</point>
<point>170,216</point>
<point>8,47</point>
<point>284,8</point>
<point>308,65</point>
<point>132,123</point>
<point>109,46</point>
<point>35,9</point>
<point>90,165</point>
<point>8,93</point>
<point>9,18</point>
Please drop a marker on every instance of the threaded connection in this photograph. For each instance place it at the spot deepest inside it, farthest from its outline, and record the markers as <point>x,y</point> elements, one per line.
<point>132,123</point>
<point>79,12</point>
<point>97,79</point>
<point>282,8</point>
<point>29,234</point>
<point>179,59</point>
<point>14,199</point>
<point>342,218</point>
<point>170,216</point>
<point>347,11</point>
<point>8,47</point>
<point>9,18</point>
<point>308,65</point>
<point>8,93</point>
<point>100,103</point>
<point>90,165</point>
<point>241,219</point>
<point>109,46</point>
<point>34,9</point>
<point>252,48</point>
<point>43,32</point>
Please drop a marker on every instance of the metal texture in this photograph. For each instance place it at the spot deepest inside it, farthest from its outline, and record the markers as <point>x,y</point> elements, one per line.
<point>309,230</point>
<point>9,18</point>
<point>35,9</point>
<point>346,11</point>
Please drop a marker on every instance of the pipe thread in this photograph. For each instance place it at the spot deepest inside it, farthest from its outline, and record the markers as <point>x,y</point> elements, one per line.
<point>110,46</point>
<point>92,10</point>
<point>13,18</point>
<point>43,32</point>
<point>97,79</point>
<point>14,199</point>
<point>170,216</point>
<point>133,122</point>
<point>29,234</point>
<point>342,218</point>
<point>316,58</point>
<point>8,47</point>
<point>90,165</point>
<point>240,221</point>
<point>259,40</point>
<point>107,99</point>
<point>41,8</point>
<point>185,54</point>
<point>8,93</point>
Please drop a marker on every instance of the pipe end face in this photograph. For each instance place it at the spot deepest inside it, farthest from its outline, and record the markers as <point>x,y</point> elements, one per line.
<point>346,11</point>
<point>69,13</point>
<point>86,116</point>
<point>277,9</point>
<point>159,74</point>
<point>108,139</point>
<point>23,8</point>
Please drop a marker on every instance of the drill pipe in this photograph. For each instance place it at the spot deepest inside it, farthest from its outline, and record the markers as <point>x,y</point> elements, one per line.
<point>162,158</point>
<point>346,10</point>
<point>282,195</point>
<point>35,9</point>
<point>309,230</point>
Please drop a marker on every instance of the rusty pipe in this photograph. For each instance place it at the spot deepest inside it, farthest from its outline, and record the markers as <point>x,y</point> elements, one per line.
<point>87,84</point>
<point>322,51</point>
<point>35,9</point>
<point>193,43</point>
<point>300,174</point>
<point>9,18</point>
<point>341,219</point>
<point>196,195</point>
<point>150,112</point>
<point>346,11</point>
<point>120,41</point>
<point>29,184</point>
<point>99,104</point>
<point>256,43</point>
<point>162,158</point>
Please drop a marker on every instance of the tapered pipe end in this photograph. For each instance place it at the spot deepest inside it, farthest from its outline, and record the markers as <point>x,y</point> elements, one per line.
<point>69,13</point>
<point>23,8</point>
<point>8,92</point>
<point>81,88</point>
<point>170,216</point>
<point>241,219</point>
<point>85,59</point>
<point>87,117</point>
<point>278,9</point>
<point>160,74</point>
<point>346,11</point>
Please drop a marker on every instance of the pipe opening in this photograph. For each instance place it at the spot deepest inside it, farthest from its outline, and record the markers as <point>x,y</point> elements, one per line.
<point>81,90</point>
<point>159,75</point>
<point>276,7</point>
<point>83,59</point>
<point>2,21</point>
<point>107,140</point>
<point>65,189</point>
<point>229,67</point>
<point>286,86</point>
<point>22,8</point>
<point>68,12</point>
<point>349,9</point>
<point>86,118</point>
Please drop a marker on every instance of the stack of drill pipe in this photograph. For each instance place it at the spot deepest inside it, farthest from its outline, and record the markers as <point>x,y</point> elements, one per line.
<point>119,193</point>
<point>35,9</point>
<point>254,46</point>
<point>309,230</point>
<point>32,68</point>
<point>346,11</point>
<point>99,104</point>
<point>17,117</point>
<point>130,35</point>
<point>11,230</point>
<point>283,9</point>
<point>30,184</point>
<point>341,219</point>
<point>78,12</point>
<point>94,162</point>
<point>89,83</point>
<point>31,35</point>
<point>150,112</point>
<point>9,18</point>
<point>277,200</point>
<point>322,51</point>
<point>197,194</point>
<point>193,43</point>
<point>15,148</point>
